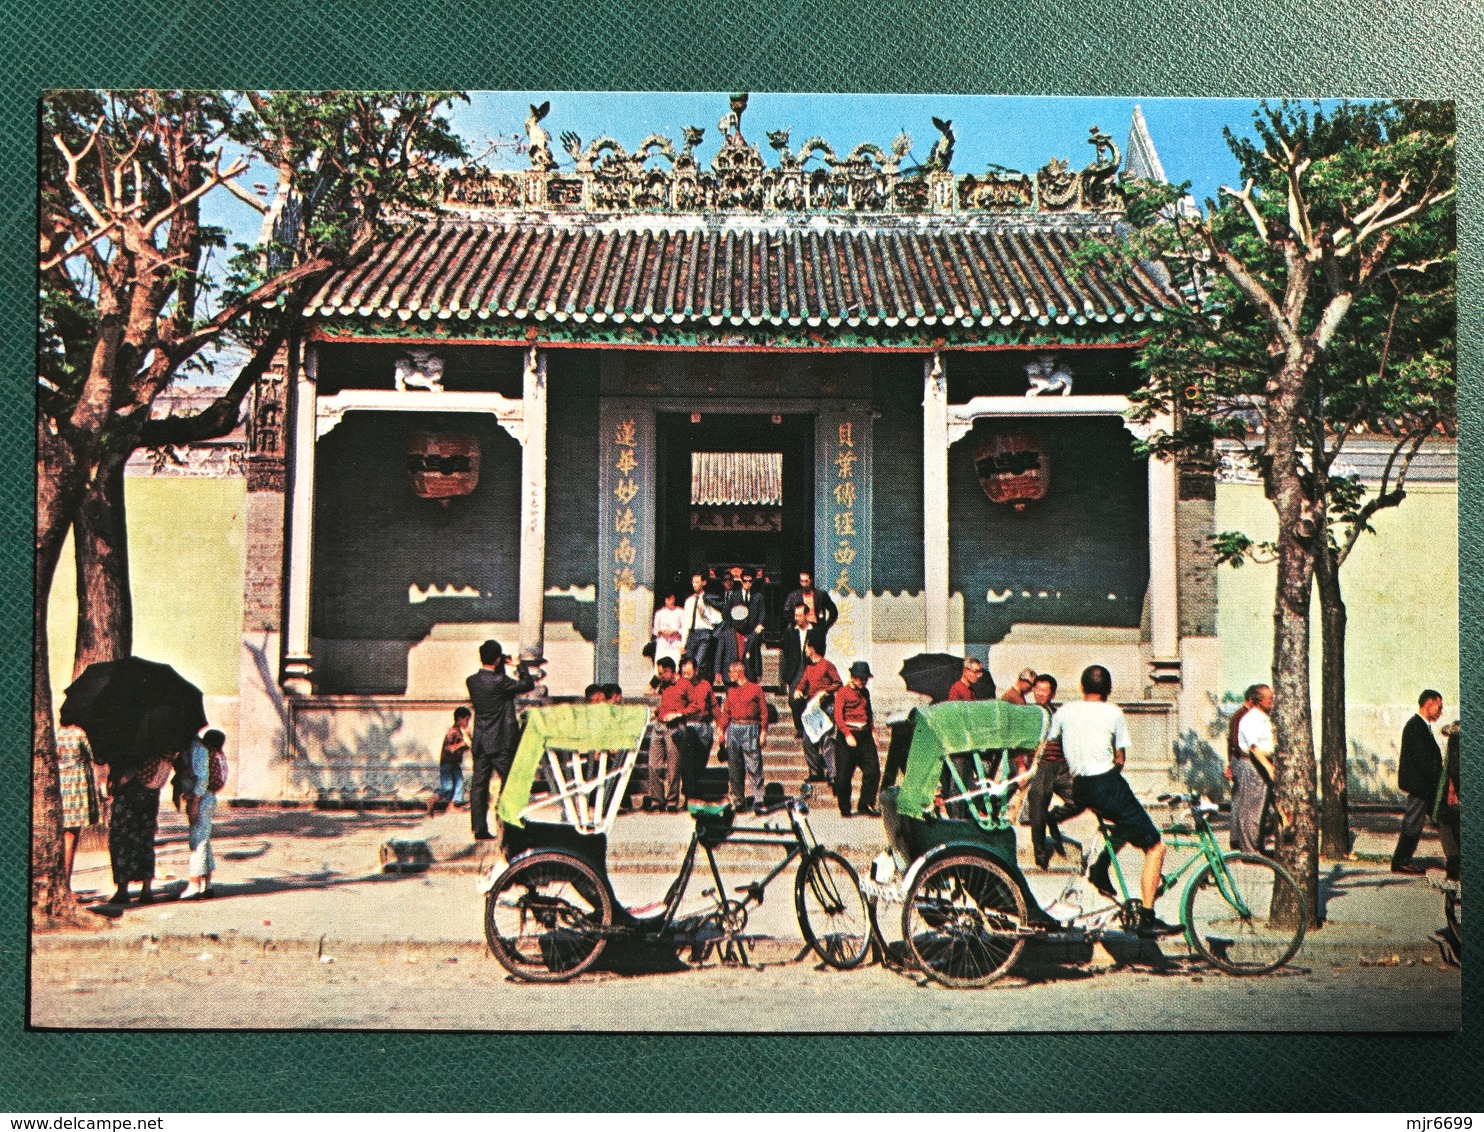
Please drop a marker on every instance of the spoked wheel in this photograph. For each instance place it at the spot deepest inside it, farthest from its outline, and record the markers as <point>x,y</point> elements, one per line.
<point>962,921</point>
<point>1228,917</point>
<point>832,910</point>
<point>546,918</point>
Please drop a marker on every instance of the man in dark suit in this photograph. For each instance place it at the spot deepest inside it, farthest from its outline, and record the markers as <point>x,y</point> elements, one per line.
<point>492,692</point>
<point>1417,773</point>
<point>791,671</point>
<point>822,611</point>
<point>740,636</point>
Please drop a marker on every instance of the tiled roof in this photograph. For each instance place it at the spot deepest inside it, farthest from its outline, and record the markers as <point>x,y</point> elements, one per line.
<point>757,271</point>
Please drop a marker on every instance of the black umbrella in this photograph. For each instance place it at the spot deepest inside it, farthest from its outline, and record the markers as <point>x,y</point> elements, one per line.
<point>134,709</point>
<point>932,673</point>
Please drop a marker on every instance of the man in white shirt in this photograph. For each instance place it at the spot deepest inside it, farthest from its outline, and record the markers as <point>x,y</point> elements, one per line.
<point>701,618</point>
<point>1094,741</point>
<point>1252,769</point>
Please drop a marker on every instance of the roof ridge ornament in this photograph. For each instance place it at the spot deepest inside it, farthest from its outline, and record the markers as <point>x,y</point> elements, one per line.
<point>604,178</point>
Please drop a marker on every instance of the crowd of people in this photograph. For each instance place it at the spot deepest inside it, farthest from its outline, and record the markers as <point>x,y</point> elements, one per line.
<point>707,654</point>
<point>196,774</point>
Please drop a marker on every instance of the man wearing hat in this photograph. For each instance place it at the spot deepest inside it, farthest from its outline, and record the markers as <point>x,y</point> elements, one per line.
<point>741,634</point>
<point>854,721</point>
<point>1018,691</point>
<point>492,692</point>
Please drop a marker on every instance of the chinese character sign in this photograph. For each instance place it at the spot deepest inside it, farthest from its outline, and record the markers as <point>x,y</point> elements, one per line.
<point>845,496</point>
<point>625,488</point>
<point>843,543</point>
<point>625,538</point>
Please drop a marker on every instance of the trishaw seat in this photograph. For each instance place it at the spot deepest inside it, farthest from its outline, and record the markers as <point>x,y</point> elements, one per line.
<point>713,822</point>
<point>592,847</point>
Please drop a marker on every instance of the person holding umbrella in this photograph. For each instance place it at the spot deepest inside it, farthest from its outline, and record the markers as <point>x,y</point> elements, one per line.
<point>133,817</point>
<point>137,714</point>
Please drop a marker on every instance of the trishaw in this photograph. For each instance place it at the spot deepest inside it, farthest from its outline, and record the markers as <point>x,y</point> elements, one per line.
<point>967,911</point>
<point>551,911</point>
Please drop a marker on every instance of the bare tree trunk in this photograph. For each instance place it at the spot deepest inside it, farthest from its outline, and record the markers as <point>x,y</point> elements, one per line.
<point>105,610</point>
<point>1335,838</point>
<point>59,479</point>
<point>1294,789</point>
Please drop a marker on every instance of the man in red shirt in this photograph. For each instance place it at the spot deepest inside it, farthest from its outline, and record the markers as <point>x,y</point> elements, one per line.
<point>963,688</point>
<point>668,739</point>
<point>700,712</point>
<point>854,723</point>
<point>744,727</point>
<point>819,676</point>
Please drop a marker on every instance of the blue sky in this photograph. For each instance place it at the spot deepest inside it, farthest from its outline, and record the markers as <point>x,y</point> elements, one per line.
<point>1020,133</point>
<point>1017,132</point>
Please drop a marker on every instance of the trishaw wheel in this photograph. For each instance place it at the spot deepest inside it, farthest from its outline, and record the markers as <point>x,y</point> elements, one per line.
<point>832,910</point>
<point>962,920</point>
<point>1229,920</point>
<point>547,917</point>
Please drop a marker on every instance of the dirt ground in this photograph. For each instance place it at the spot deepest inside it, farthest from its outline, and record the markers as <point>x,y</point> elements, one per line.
<point>229,988</point>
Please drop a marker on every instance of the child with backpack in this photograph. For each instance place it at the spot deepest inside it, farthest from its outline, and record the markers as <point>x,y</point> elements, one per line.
<point>209,771</point>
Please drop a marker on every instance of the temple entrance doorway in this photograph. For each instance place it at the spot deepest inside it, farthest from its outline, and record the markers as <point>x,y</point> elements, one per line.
<point>734,489</point>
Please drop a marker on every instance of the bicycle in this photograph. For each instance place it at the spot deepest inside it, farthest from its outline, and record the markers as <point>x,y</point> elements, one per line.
<point>1452,891</point>
<point>552,911</point>
<point>1226,908</point>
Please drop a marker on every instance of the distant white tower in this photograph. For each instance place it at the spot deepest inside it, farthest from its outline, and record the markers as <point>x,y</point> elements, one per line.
<point>1141,160</point>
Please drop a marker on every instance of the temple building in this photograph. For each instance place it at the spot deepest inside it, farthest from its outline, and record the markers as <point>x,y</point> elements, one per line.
<point>537,409</point>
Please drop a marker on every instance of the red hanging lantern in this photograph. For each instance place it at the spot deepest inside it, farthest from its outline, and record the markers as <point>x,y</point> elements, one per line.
<point>1013,468</point>
<point>443,466</point>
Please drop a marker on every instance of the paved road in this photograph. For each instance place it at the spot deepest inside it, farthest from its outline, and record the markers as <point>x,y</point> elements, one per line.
<point>238,986</point>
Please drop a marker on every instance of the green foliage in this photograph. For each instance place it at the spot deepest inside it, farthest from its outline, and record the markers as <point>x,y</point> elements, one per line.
<point>1302,228</point>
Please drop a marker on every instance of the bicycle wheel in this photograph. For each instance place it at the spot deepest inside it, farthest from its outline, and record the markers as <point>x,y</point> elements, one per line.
<point>962,920</point>
<point>832,910</point>
<point>546,918</point>
<point>1228,918</point>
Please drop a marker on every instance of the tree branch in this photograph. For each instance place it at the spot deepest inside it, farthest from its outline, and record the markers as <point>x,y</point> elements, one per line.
<point>218,176</point>
<point>266,293</point>
<point>222,415</point>
<point>1250,204</point>
<point>247,198</point>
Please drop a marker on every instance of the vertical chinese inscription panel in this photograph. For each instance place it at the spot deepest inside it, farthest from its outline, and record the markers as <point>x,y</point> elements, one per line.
<point>625,581</point>
<point>843,526</point>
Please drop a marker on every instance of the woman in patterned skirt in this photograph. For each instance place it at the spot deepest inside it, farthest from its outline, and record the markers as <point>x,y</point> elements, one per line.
<point>79,790</point>
<point>131,827</point>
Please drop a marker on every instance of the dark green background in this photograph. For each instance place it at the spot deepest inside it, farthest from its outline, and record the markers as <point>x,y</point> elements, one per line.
<point>1214,47</point>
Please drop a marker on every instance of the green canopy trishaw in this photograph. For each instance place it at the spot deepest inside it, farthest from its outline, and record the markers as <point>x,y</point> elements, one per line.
<point>966,908</point>
<point>551,911</point>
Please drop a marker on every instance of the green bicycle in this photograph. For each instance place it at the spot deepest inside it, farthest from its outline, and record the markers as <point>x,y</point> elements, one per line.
<point>1226,909</point>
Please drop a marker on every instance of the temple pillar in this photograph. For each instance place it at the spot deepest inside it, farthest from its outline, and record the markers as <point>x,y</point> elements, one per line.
<point>533,506</point>
<point>626,532</point>
<point>935,504</point>
<point>1164,598</point>
<point>298,664</point>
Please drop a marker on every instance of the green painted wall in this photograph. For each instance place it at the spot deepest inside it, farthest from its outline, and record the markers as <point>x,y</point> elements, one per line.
<point>186,558</point>
<point>1401,594</point>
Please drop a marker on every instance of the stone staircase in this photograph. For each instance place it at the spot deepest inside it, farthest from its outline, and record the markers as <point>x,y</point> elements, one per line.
<point>783,758</point>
